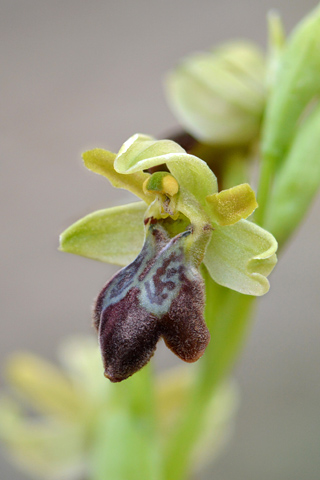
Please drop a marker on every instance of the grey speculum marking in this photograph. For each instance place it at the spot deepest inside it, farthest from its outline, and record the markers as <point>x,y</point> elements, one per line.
<point>160,294</point>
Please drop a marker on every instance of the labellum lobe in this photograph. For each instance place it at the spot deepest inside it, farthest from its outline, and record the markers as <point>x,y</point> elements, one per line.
<point>160,294</point>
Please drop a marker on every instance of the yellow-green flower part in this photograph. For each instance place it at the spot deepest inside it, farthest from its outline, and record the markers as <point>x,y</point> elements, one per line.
<point>239,254</point>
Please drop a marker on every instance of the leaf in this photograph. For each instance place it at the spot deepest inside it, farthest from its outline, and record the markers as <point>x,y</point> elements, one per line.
<point>114,235</point>
<point>101,161</point>
<point>241,256</point>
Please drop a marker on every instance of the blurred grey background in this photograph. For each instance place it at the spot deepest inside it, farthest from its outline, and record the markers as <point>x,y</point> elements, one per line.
<point>77,75</point>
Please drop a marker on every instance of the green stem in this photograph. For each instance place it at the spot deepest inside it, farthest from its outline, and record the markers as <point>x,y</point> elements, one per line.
<point>125,444</point>
<point>264,187</point>
<point>235,170</point>
<point>227,314</point>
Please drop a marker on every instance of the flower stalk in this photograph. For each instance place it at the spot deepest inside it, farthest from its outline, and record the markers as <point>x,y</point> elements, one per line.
<point>228,316</point>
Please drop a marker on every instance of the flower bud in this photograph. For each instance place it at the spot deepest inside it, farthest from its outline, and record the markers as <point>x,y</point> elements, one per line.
<point>219,96</point>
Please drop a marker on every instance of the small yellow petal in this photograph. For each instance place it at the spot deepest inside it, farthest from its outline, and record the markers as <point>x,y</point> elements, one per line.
<point>230,206</point>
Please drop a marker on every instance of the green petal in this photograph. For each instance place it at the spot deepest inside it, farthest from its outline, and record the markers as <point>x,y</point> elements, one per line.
<point>241,256</point>
<point>101,161</point>
<point>141,152</point>
<point>230,206</point>
<point>114,235</point>
<point>297,181</point>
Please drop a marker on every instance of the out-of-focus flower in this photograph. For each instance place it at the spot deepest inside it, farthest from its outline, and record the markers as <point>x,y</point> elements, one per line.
<point>52,441</point>
<point>67,423</point>
<point>219,96</point>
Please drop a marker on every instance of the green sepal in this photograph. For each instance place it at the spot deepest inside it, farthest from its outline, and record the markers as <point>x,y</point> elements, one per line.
<point>101,161</point>
<point>114,235</point>
<point>241,256</point>
<point>297,182</point>
<point>141,152</point>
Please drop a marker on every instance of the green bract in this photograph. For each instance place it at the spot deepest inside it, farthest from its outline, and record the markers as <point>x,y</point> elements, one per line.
<point>238,254</point>
<point>289,173</point>
<point>296,83</point>
<point>297,180</point>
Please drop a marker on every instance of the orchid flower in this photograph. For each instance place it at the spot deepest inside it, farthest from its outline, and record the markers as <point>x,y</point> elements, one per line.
<point>183,221</point>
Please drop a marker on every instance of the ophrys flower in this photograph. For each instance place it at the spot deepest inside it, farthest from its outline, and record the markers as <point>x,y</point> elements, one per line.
<point>183,222</point>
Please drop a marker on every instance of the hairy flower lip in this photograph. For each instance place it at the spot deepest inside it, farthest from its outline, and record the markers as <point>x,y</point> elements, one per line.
<point>160,294</point>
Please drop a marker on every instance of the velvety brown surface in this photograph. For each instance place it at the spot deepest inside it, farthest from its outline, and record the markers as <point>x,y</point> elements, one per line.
<point>160,294</point>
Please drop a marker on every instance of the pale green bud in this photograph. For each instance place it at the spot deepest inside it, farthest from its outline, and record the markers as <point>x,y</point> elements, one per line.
<point>219,96</point>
